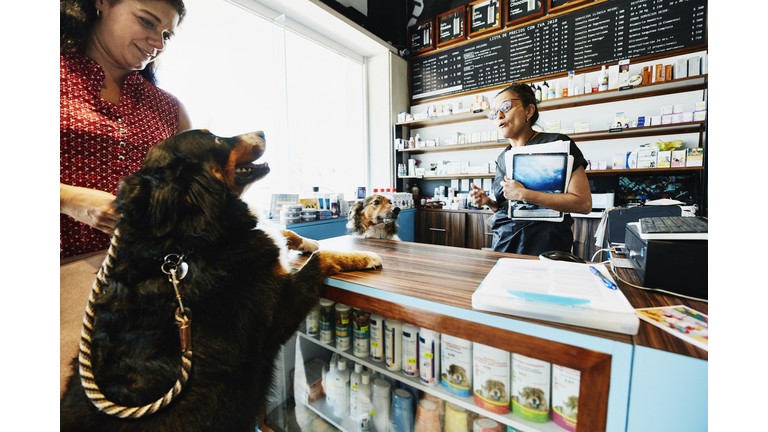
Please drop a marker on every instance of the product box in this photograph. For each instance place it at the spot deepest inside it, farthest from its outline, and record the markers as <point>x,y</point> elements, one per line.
<point>681,68</point>
<point>620,161</point>
<point>678,158</point>
<point>600,165</point>
<point>647,74</point>
<point>613,77</point>
<point>667,109</point>
<point>687,117</point>
<point>647,157</point>
<point>677,109</point>
<point>700,115</point>
<point>310,390</point>
<point>553,126</point>
<point>694,66</point>
<point>665,159</point>
<point>655,120</point>
<point>581,127</point>
<point>677,118</point>
<point>668,72</point>
<point>700,106</point>
<point>641,121</point>
<point>694,157</point>
<point>623,73</point>
<point>666,119</point>
<point>658,73</point>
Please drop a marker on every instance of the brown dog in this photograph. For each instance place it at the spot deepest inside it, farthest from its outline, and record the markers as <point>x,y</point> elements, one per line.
<point>373,217</point>
<point>534,398</point>
<point>195,299</point>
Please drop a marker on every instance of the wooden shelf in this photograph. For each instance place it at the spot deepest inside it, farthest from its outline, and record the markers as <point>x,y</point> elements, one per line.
<point>645,90</point>
<point>645,171</point>
<point>450,177</point>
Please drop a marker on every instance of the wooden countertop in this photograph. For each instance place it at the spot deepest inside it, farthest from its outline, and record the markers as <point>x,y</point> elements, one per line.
<point>450,275</point>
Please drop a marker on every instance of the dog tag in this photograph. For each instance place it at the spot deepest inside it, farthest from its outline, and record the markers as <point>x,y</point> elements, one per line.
<point>182,270</point>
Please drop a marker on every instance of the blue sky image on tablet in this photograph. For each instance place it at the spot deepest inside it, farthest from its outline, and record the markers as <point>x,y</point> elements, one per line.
<point>541,172</point>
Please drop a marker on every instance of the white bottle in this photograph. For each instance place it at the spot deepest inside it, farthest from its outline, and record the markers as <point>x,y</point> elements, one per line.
<point>393,344</point>
<point>354,390</point>
<point>558,90</point>
<point>341,388</point>
<point>364,403</point>
<point>377,337</point>
<point>380,405</point>
<point>410,350</point>
<point>330,380</point>
<point>602,81</point>
<point>538,93</point>
<point>429,356</point>
<point>545,91</point>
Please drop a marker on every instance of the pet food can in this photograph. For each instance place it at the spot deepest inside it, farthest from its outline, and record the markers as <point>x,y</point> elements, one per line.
<point>565,396</point>
<point>343,326</point>
<point>393,344</point>
<point>427,417</point>
<point>456,365</point>
<point>530,388</point>
<point>377,337</point>
<point>429,356</point>
<point>455,418</point>
<point>410,350</point>
<point>308,215</point>
<point>486,425</point>
<point>313,322</point>
<point>361,333</point>
<point>327,320</point>
<point>491,378</point>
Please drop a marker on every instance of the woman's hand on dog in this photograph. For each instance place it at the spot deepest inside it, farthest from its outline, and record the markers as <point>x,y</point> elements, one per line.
<point>90,206</point>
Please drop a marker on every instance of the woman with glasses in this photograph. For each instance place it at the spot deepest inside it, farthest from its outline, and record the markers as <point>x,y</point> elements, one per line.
<point>514,113</point>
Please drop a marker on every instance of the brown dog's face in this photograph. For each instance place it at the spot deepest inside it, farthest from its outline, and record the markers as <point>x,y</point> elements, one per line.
<point>378,209</point>
<point>534,398</point>
<point>231,160</point>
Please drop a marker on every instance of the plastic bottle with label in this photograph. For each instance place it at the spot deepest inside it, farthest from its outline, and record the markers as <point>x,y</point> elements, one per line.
<point>330,381</point>
<point>355,380</point>
<point>410,350</point>
<point>341,388</point>
<point>364,403</point>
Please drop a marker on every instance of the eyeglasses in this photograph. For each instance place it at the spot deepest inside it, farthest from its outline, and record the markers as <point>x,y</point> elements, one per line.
<point>504,107</point>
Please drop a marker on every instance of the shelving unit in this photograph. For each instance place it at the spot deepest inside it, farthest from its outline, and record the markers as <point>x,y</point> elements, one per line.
<point>346,423</point>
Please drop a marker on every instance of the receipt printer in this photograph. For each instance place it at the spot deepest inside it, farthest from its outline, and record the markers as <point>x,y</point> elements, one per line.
<point>678,266</point>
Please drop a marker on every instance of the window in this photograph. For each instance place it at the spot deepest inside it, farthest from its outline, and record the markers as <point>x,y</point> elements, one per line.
<point>237,72</point>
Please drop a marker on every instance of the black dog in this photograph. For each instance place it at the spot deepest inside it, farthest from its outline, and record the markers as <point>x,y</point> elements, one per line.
<point>232,278</point>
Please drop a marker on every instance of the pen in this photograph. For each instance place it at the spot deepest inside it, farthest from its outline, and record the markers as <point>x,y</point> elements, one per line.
<point>607,282</point>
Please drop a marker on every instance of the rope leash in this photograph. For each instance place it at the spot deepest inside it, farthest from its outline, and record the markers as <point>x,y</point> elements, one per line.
<point>86,373</point>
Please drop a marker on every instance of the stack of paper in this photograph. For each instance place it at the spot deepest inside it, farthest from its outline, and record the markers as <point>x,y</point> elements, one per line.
<point>557,291</point>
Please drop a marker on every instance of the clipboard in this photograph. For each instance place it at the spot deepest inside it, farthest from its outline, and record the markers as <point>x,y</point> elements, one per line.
<point>556,291</point>
<point>541,167</point>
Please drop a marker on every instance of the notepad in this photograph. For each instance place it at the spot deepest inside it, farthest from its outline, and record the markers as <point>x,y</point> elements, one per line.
<point>556,291</point>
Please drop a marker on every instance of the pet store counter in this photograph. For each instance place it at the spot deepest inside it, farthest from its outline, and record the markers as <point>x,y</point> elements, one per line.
<point>622,376</point>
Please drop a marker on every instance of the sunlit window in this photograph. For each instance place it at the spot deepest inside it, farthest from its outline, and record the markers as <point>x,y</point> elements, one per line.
<point>238,72</point>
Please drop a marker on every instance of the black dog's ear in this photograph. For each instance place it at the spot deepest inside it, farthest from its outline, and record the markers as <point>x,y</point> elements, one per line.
<point>182,196</point>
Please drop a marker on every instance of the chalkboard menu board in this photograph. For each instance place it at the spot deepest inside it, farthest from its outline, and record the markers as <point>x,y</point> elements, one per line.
<point>593,36</point>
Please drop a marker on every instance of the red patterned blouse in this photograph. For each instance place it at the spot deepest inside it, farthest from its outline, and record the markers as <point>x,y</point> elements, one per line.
<point>102,142</point>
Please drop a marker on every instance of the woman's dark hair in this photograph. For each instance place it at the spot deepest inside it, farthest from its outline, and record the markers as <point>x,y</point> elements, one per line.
<point>76,18</point>
<point>527,97</point>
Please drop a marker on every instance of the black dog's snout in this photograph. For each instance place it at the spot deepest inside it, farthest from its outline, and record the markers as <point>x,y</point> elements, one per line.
<point>260,134</point>
<point>396,211</point>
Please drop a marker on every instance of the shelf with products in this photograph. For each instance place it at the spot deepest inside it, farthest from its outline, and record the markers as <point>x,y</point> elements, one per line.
<point>321,407</point>
<point>590,173</point>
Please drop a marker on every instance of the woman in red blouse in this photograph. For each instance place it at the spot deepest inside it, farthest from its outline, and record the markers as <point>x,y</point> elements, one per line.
<point>111,112</point>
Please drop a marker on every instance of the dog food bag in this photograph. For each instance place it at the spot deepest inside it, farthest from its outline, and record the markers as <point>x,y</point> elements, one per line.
<point>327,320</point>
<point>313,322</point>
<point>410,350</point>
<point>376,324</point>
<point>530,388</point>
<point>393,344</point>
<point>565,396</point>
<point>361,333</point>
<point>429,356</point>
<point>343,326</point>
<point>491,378</point>
<point>456,365</point>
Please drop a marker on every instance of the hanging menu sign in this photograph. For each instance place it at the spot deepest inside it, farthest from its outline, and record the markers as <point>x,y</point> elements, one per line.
<point>592,36</point>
